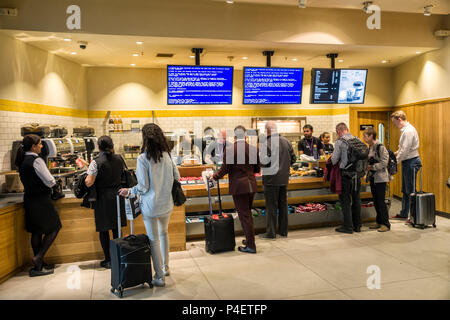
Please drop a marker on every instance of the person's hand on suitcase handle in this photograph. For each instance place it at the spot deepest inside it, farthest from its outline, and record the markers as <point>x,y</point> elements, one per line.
<point>124,192</point>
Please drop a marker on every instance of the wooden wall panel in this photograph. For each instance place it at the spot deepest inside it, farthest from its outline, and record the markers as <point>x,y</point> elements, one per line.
<point>432,122</point>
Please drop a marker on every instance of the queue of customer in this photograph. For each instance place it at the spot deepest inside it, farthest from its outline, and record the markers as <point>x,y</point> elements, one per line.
<point>156,172</point>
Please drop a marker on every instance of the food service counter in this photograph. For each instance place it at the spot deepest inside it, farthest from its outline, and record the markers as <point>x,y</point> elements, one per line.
<point>300,190</point>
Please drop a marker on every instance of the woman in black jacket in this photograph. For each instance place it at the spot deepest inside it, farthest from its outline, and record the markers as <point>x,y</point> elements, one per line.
<point>105,172</point>
<point>41,217</point>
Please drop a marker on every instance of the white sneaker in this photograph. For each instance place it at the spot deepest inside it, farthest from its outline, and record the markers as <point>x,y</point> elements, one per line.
<point>158,282</point>
<point>166,270</point>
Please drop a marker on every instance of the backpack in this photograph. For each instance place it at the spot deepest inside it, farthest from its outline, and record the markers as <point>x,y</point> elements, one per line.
<point>392,162</point>
<point>357,157</point>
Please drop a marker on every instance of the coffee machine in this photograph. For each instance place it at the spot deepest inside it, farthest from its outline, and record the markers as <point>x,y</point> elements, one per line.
<point>87,133</point>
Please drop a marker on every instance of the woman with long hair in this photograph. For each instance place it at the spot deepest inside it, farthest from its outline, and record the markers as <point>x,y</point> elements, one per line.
<point>105,171</point>
<point>155,174</point>
<point>41,218</point>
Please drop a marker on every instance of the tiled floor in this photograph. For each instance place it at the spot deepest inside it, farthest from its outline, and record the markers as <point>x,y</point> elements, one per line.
<point>310,264</point>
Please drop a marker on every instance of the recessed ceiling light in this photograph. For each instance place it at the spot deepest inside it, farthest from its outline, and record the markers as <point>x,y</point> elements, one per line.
<point>229,1</point>
<point>132,64</point>
<point>135,54</point>
<point>74,53</point>
<point>67,39</point>
<point>294,59</point>
<point>191,56</point>
<point>383,61</point>
<point>245,58</point>
<point>139,42</point>
<point>341,60</point>
<point>427,10</point>
<point>418,52</point>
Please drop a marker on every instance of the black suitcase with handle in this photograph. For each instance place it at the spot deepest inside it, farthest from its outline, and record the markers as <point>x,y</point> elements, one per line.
<point>219,228</point>
<point>130,256</point>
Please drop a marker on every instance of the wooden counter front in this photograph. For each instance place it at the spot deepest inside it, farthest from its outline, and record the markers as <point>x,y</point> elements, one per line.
<point>76,241</point>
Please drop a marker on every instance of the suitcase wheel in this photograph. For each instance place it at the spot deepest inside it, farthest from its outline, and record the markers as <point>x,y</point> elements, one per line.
<point>150,284</point>
<point>120,289</point>
<point>434,225</point>
<point>113,290</point>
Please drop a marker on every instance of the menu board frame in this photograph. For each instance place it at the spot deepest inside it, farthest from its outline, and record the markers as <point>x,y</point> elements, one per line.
<point>243,85</point>
<point>313,81</point>
<point>203,104</point>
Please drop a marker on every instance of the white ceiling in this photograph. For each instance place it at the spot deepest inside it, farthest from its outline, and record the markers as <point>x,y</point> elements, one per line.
<point>410,6</point>
<point>116,51</point>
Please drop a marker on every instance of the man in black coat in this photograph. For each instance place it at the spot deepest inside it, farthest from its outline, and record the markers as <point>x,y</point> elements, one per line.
<point>276,156</point>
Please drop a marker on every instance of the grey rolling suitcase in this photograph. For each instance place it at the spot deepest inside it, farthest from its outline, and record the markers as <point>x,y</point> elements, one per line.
<point>422,207</point>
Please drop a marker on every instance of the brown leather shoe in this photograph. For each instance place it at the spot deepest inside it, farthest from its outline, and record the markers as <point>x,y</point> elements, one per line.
<point>383,228</point>
<point>375,226</point>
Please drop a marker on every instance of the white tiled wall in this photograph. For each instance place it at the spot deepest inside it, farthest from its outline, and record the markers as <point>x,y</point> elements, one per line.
<point>10,123</point>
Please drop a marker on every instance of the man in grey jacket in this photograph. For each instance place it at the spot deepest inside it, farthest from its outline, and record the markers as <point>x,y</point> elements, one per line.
<point>408,155</point>
<point>276,156</point>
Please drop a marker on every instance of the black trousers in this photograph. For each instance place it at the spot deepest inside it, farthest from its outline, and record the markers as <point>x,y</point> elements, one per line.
<point>276,200</point>
<point>351,202</point>
<point>378,194</point>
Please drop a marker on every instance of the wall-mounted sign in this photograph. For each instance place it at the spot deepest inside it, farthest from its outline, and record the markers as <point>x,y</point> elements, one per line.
<point>365,126</point>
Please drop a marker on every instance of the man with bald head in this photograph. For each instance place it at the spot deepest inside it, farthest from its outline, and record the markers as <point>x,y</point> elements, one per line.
<point>276,156</point>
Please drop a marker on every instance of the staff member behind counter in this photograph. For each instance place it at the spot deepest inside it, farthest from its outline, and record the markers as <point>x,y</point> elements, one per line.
<point>105,172</point>
<point>309,145</point>
<point>41,217</point>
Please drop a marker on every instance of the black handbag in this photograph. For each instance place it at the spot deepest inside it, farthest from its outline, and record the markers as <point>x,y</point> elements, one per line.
<point>177,191</point>
<point>129,178</point>
<point>57,192</point>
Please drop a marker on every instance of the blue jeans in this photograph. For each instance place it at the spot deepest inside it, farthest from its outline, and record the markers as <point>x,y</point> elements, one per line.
<point>409,174</point>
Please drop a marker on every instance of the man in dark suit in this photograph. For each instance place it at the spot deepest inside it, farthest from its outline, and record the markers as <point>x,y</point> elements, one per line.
<point>277,156</point>
<point>241,162</point>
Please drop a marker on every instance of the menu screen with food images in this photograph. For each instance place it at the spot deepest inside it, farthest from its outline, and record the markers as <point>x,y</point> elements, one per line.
<point>190,85</point>
<point>273,85</point>
<point>344,86</point>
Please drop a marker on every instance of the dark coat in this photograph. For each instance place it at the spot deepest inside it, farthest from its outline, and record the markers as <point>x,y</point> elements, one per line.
<point>283,161</point>
<point>241,168</point>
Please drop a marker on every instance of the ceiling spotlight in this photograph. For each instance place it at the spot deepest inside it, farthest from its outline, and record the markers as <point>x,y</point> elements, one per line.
<point>418,52</point>
<point>192,56</point>
<point>132,64</point>
<point>67,39</point>
<point>385,61</point>
<point>294,59</point>
<point>341,60</point>
<point>367,4</point>
<point>139,42</point>
<point>229,1</point>
<point>74,52</point>
<point>245,58</point>
<point>302,4</point>
<point>427,10</point>
<point>135,54</point>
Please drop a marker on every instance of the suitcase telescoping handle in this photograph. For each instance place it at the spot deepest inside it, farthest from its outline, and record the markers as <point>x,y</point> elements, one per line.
<point>419,169</point>
<point>119,222</point>
<point>209,197</point>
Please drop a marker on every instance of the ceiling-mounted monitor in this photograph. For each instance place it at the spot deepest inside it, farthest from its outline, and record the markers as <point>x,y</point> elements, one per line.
<point>266,85</point>
<point>190,85</point>
<point>345,86</point>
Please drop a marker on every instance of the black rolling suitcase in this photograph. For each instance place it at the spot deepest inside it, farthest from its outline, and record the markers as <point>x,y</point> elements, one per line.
<point>219,228</point>
<point>130,256</point>
<point>422,207</point>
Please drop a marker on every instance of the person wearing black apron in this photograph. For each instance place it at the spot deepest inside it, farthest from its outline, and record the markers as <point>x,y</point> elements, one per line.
<point>41,218</point>
<point>309,145</point>
<point>105,172</point>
